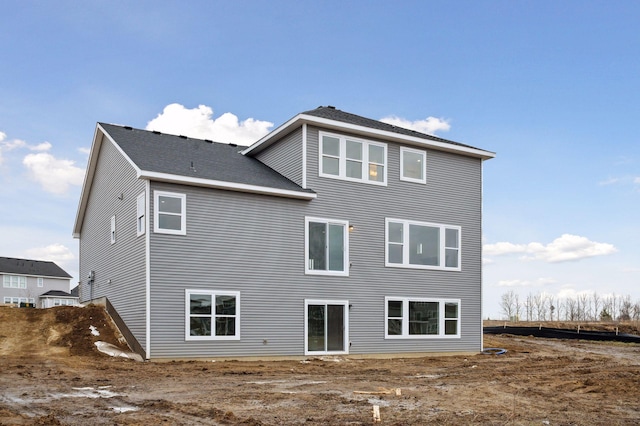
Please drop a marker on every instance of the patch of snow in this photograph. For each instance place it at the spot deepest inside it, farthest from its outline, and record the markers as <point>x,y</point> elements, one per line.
<point>112,350</point>
<point>124,409</point>
<point>94,330</point>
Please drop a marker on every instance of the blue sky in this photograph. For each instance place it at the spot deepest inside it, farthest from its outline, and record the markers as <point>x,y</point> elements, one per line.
<point>551,87</point>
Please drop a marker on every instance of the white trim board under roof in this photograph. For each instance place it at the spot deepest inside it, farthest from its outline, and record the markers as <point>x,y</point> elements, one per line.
<point>188,161</point>
<point>362,126</point>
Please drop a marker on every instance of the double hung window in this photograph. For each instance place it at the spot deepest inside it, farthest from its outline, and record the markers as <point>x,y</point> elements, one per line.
<point>212,315</point>
<point>170,215</point>
<point>419,318</point>
<point>327,246</point>
<point>422,245</point>
<point>14,281</point>
<point>353,159</point>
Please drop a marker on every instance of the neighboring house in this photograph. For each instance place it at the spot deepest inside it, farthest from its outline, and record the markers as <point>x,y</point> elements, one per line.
<point>333,234</point>
<point>27,282</point>
<point>57,298</point>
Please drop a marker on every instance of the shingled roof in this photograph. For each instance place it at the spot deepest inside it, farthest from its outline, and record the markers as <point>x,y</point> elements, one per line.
<point>332,113</point>
<point>39,268</point>
<point>195,158</point>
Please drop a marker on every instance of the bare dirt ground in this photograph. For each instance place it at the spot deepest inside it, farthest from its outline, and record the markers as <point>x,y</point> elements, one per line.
<point>51,374</point>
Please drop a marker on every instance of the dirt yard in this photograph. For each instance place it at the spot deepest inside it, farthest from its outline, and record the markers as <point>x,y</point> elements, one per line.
<point>51,374</point>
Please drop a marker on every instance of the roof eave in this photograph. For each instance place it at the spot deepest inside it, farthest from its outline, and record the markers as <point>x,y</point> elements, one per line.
<point>88,179</point>
<point>229,186</point>
<point>300,119</point>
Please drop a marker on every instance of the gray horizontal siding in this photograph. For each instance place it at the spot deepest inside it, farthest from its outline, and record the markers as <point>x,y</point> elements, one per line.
<point>286,156</point>
<point>255,245</point>
<point>119,268</point>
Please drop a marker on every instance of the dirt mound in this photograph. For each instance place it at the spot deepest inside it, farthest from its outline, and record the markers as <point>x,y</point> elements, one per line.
<point>59,331</point>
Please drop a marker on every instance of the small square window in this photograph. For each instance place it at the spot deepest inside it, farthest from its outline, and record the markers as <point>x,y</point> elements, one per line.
<point>212,315</point>
<point>170,215</point>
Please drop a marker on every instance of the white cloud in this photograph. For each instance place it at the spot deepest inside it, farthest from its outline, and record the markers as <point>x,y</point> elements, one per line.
<point>565,248</point>
<point>428,125</point>
<point>57,253</point>
<point>84,150</point>
<point>526,283</point>
<point>53,174</point>
<point>636,180</point>
<point>199,123</point>
<point>43,147</point>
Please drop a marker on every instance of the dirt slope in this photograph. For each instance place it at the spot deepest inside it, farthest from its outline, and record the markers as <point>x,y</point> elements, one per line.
<point>50,374</point>
<point>56,332</point>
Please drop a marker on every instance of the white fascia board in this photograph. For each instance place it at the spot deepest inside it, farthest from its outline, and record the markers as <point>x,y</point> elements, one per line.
<point>230,186</point>
<point>91,170</point>
<point>370,132</point>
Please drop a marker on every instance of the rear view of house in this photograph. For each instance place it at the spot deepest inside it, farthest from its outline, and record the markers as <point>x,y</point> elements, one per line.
<point>34,283</point>
<point>333,234</point>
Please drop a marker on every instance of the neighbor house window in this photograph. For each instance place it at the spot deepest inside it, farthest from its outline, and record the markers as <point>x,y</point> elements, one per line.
<point>212,315</point>
<point>353,159</point>
<point>422,245</point>
<point>413,165</point>
<point>40,282</point>
<point>18,300</point>
<point>140,214</point>
<point>327,246</point>
<point>170,213</point>
<point>113,229</point>
<point>421,318</point>
<point>14,281</point>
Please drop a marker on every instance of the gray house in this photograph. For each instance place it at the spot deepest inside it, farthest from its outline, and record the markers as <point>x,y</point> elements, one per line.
<point>333,234</point>
<point>27,282</point>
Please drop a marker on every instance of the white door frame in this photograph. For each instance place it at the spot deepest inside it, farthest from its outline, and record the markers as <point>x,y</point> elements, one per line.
<point>325,302</point>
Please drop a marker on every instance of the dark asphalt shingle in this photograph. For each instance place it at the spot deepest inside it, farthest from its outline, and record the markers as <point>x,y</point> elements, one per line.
<point>9,265</point>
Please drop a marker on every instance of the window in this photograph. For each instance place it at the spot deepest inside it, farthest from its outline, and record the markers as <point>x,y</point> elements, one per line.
<point>14,281</point>
<point>113,229</point>
<point>422,245</point>
<point>353,159</point>
<point>327,247</point>
<point>421,318</point>
<point>170,213</point>
<point>140,214</point>
<point>40,282</point>
<point>212,315</point>
<point>18,300</point>
<point>413,165</point>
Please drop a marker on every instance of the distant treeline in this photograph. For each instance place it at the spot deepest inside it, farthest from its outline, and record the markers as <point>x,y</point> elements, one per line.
<point>582,307</point>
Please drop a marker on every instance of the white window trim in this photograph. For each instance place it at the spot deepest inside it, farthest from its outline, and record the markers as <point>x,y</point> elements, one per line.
<point>345,304</point>
<point>424,165</point>
<point>342,168</point>
<point>40,281</point>
<point>156,213</point>
<point>21,281</point>
<point>113,230</point>
<point>405,246</point>
<point>405,318</point>
<point>345,224</point>
<point>141,217</point>
<point>213,293</point>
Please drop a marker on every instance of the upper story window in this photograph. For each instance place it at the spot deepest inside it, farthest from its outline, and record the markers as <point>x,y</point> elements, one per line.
<point>40,282</point>
<point>14,281</point>
<point>413,165</point>
<point>212,315</point>
<point>140,214</point>
<point>422,245</point>
<point>421,318</point>
<point>326,247</point>
<point>353,159</point>
<point>170,215</point>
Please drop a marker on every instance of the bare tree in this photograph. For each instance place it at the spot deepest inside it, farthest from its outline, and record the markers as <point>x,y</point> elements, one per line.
<point>528,307</point>
<point>595,306</point>
<point>507,304</point>
<point>518,307</point>
<point>583,306</point>
<point>625,308</point>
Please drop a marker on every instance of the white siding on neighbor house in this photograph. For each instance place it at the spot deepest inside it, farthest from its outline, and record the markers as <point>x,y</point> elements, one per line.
<point>254,244</point>
<point>119,267</point>
<point>32,291</point>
